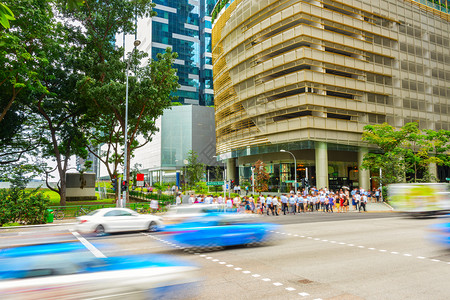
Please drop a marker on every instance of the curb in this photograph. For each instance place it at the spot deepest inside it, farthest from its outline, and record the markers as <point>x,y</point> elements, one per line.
<point>38,225</point>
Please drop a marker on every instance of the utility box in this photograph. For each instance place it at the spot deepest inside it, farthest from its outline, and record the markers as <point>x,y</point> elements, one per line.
<point>80,187</point>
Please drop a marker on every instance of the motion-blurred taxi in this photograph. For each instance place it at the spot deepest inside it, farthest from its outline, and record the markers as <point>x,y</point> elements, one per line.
<point>220,230</point>
<point>440,233</point>
<point>65,271</point>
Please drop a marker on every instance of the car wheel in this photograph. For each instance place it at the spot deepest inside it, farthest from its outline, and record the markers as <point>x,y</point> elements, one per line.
<point>100,230</point>
<point>152,227</point>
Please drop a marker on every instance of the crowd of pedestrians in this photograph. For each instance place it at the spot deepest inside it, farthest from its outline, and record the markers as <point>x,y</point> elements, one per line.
<point>312,200</point>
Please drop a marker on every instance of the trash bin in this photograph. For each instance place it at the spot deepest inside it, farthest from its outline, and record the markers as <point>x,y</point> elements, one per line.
<point>49,216</point>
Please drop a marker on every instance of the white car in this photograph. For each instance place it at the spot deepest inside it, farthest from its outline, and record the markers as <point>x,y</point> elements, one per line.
<point>108,220</point>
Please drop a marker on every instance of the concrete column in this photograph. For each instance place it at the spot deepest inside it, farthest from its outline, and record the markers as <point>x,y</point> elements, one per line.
<point>231,169</point>
<point>321,164</point>
<point>342,169</point>
<point>432,168</point>
<point>364,175</point>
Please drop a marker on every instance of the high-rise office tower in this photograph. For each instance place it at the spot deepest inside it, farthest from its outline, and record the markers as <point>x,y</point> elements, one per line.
<point>185,26</point>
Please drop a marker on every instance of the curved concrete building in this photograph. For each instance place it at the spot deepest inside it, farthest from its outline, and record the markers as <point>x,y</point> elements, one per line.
<point>307,76</point>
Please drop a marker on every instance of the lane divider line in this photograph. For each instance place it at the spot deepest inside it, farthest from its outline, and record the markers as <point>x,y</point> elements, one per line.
<point>89,246</point>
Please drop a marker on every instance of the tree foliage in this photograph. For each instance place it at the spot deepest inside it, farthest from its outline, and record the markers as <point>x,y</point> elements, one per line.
<point>405,153</point>
<point>19,205</point>
<point>261,176</point>
<point>194,168</point>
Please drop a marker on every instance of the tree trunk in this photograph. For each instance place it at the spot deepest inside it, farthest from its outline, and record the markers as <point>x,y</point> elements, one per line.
<point>62,191</point>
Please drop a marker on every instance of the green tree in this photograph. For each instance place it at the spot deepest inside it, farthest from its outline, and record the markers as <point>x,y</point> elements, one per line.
<point>21,57</point>
<point>261,177</point>
<point>405,153</point>
<point>6,15</point>
<point>19,205</point>
<point>151,84</point>
<point>194,168</point>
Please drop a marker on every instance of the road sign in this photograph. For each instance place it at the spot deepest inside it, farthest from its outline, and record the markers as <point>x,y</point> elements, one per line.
<point>290,181</point>
<point>448,179</point>
<point>215,183</point>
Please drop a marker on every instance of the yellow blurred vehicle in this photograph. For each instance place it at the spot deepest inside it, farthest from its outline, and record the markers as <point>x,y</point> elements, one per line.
<point>420,199</point>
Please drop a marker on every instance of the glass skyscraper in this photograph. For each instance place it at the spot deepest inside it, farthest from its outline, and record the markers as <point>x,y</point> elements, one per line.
<point>185,26</point>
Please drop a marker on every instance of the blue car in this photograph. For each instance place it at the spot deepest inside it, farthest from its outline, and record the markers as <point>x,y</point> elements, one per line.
<point>220,230</point>
<point>440,233</point>
<point>67,271</point>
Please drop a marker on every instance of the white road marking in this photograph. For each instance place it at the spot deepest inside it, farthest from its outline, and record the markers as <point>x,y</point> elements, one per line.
<point>382,250</point>
<point>324,240</point>
<point>209,257</point>
<point>238,269</point>
<point>256,275</point>
<point>435,260</point>
<point>229,266</point>
<point>407,254</point>
<point>246,272</point>
<point>361,247</point>
<point>317,239</point>
<point>295,234</point>
<point>341,243</point>
<point>371,248</point>
<point>203,255</point>
<point>215,260</point>
<point>222,262</point>
<point>290,289</point>
<point>303,294</point>
<point>394,252</point>
<point>265,279</point>
<point>89,246</point>
<point>277,283</point>
<point>420,257</point>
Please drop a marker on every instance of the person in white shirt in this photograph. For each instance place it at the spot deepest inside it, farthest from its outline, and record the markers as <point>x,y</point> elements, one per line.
<point>358,201</point>
<point>191,199</point>
<point>275,205</point>
<point>236,201</point>
<point>220,200</point>
<point>269,204</point>
<point>229,203</point>
<point>263,203</point>
<point>178,199</point>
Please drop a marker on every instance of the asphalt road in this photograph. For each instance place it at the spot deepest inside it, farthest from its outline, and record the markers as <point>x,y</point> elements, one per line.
<point>323,256</point>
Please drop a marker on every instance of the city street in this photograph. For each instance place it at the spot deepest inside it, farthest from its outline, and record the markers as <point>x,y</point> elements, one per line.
<point>318,256</point>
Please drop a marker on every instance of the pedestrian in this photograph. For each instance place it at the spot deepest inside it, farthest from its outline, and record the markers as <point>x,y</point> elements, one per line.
<point>263,203</point>
<point>229,203</point>
<point>275,204</point>
<point>178,199</point>
<point>363,202</point>
<point>292,204</point>
<point>191,199</point>
<point>377,194</point>
<point>269,204</point>
<point>357,200</point>
<point>284,201</point>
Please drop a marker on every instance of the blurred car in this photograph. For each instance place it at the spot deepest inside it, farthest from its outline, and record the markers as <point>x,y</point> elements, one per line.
<point>220,230</point>
<point>180,213</point>
<point>109,220</point>
<point>67,271</point>
<point>440,233</point>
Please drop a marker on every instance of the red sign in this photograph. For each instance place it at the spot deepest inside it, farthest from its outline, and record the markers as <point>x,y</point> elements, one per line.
<point>139,177</point>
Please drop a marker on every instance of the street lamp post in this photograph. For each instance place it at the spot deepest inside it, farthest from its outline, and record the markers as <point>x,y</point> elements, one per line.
<point>125,165</point>
<point>295,169</point>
